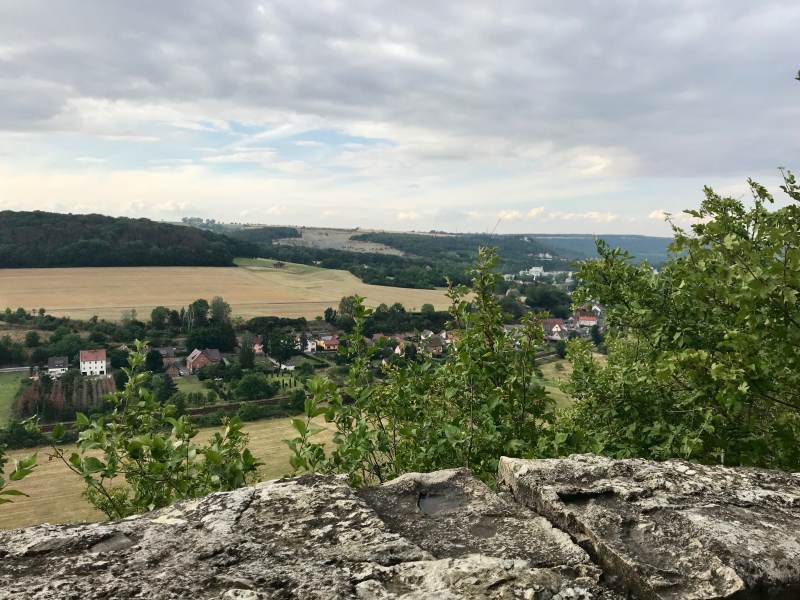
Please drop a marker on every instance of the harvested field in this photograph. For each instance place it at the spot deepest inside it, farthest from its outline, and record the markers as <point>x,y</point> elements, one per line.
<point>55,492</point>
<point>336,239</point>
<point>256,288</point>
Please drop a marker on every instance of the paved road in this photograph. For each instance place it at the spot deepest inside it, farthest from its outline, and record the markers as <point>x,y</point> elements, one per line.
<point>14,369</point>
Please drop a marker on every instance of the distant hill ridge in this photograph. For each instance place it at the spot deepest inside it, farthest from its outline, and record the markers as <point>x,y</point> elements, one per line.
<point>44,239</point>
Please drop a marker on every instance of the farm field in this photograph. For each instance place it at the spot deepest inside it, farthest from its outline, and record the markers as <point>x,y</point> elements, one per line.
<point>255,288</point>
<point>336,239</point>
<point>55,492</point>
<point>9,384</point>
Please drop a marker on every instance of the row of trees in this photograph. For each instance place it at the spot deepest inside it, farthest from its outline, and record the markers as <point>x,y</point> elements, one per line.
<point>41,239</point>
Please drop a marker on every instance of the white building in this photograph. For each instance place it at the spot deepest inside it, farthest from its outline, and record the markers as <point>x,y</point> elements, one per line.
<point>93,362</point>
<point>534,272</point>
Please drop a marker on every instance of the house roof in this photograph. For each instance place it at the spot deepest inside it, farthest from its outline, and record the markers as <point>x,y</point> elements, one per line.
<point>165,351</point>
<point>213,354</point>
<point>93,355</point>
<point>434,341</point>
<point>549,324</point>
<point>57,362</point>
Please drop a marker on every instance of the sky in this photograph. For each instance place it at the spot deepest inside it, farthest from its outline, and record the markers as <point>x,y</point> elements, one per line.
<point>530,116</point>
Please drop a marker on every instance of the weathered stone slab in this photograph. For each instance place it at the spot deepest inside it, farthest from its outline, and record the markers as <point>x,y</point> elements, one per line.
<point>308,537</point>
<point>672,529</point>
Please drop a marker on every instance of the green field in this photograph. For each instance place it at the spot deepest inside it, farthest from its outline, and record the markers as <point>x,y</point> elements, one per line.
<point>189,384</point>
<point>553,377</point>
<point>255,264</point>
<point>9,385</point>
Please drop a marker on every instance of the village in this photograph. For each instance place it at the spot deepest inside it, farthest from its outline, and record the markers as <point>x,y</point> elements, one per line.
<point>209,363</point>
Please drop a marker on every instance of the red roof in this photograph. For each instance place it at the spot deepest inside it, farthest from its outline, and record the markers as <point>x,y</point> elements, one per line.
<point>92,355</point>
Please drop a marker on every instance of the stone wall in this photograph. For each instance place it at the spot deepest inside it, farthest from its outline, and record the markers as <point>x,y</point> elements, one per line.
<point>583,527</point>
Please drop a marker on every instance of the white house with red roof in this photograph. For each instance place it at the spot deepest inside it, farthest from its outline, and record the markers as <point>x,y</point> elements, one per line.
<point>93,362</point>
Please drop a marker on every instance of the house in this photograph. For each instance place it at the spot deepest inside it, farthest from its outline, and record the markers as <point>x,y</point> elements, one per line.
<point>554,329</point>
<point>172,367</point>
<point>586,320</point>
<point>434,345</point>
<point>57,366</point>
<point>256,342</point>
<point>93,362</point>
<point>329,343</point>
<point>166,352</point>
<point>311,345</point>
<point>200,358</point>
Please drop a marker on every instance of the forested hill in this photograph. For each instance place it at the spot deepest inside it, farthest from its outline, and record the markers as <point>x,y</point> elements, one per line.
<point>520,251</point>
<point>42,239</point>
<point>642,247</point>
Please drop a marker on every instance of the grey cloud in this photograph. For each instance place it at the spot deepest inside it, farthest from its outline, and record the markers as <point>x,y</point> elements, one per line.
<point>687,87</point>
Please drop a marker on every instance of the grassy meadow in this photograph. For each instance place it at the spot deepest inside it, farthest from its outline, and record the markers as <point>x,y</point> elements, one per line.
<point>55,493</point>
<point>254,288</point>
<point>9,385</point>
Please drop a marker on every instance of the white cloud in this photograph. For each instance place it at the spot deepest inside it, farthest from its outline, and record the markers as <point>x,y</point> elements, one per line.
<point>276,211</point>
<point>407,215</point>
<point>509,215</point>
<point>535,212</point>
<point>658,215</point>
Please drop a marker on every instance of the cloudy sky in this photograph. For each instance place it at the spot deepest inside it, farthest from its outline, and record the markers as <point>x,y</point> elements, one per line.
<point>550,116</point>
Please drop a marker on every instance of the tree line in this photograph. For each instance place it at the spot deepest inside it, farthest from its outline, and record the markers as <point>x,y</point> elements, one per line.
<point>42,239</point>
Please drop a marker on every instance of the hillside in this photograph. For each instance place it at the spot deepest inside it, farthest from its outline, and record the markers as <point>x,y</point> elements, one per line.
<point>642,247</point>
<point>427,260</point>
<point>42,239</point>
<point>518,251</point>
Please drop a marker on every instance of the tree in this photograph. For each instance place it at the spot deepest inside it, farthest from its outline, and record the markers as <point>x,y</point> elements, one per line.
<point>254,386</point>
<point>159,316</point>
<point>216,335</point>
<point>346,307</point>
<point>197,314</point>
<point>163,387</point>
<point>280,346</point>
<point>330,315</point>
<point>597,338</point>
<point>702,358</point>
<point>546,297</point>
<point>153,361</point>
<point>32,339</point>
<point>247,356</point>
<point>427,309</point>
<point>142,456</point>
<point>220,310</point>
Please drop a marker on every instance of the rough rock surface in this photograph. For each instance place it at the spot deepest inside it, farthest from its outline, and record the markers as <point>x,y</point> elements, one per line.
<point>567,529</point>
<point>442,535</point>
<point>672,529</point>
